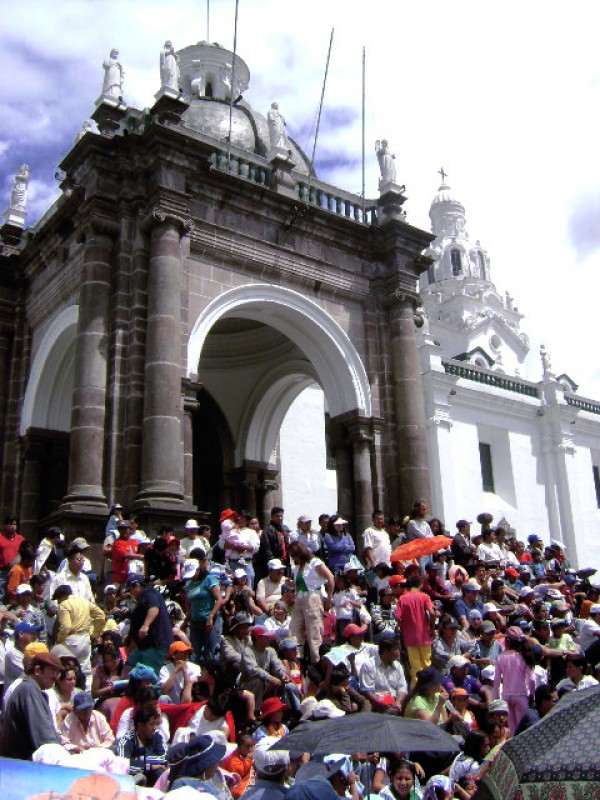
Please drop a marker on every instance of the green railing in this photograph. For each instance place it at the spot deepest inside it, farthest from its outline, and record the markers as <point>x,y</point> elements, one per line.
<point>585,405</point>
<point>479,375</point>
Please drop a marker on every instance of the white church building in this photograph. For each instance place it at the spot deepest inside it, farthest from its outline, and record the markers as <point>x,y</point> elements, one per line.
<point>527,452</point>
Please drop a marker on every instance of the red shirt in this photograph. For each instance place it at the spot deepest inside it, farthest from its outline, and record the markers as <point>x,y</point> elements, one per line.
<point>9,549</point>
<point>120,549</point>
<point>411,613</point>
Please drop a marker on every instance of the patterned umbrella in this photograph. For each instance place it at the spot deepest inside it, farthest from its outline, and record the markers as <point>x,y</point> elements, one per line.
<point>420,547</point>
<point>555,759</point>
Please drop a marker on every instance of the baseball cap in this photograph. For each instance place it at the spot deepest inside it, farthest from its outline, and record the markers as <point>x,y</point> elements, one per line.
<point>515,634</point>
<point>110,587</point>
<point>257,630</point>
<point>557,621</point>
<point>471,586</point>
<point>462,522</point>
<point>526,591</point>
<point>80,543</point>
<point>270,762</point>
<point>457,662</point>
<point>275,563</point>
<point>498,705</point>
<point>304,518</point>
<point>26,627</point>
<point>512,572</point>
<point>488,673</point>
<point>34,649</point>
<point>133,579</point>
<point>190,567</point>
<point>595,609</point>
<point>83,700</point>
<point>179,647</point>
<point>23,588</point>
<point>124,523</point>
<point>239,573</point>
<point>354,630</point>
<point>488,626</point>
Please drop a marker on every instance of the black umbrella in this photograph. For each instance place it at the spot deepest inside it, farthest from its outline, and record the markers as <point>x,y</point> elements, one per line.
<point>560,749</point>
<point>587,572</point>
<point>368,733</point>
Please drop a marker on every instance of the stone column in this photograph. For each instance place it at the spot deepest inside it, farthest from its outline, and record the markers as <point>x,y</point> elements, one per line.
<point>86,457</point>
<point>411,433</point>
<point>270,487</point>
<point>343,468</point>
<point>190,406</point>
<point>162,450</point>
<point>30,492</point>
<point>361,472</point>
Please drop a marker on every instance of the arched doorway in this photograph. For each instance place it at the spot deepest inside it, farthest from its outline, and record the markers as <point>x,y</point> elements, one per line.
<point>255,349</point>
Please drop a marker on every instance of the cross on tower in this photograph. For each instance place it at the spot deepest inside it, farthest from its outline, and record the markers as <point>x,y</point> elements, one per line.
<point>443,174</point>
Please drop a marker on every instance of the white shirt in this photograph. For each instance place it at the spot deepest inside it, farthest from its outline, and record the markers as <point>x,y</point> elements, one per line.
<point>378,539</point>
<point>588,634</point>
<point>418,529</point>
<point>193,672</point>
<point>375,677</point>
<point>313,580</point>
<point>241,536</point>
<point>310,539</point>
<point>584,683</point>
<point>187,545</point>
<point>80,584</point>
<point>489,552</point>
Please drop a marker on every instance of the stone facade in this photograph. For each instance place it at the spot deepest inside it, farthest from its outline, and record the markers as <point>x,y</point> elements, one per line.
<point>162,316</point>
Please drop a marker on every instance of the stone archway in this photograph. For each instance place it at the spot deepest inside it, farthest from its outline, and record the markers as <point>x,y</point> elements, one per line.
<point>318,351</point>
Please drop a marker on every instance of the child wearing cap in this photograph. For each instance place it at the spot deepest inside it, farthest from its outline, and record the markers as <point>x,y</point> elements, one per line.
<point>84,727</point>
<point>177,676</point>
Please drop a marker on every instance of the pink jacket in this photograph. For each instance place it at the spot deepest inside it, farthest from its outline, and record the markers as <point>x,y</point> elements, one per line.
<point>514,674</point>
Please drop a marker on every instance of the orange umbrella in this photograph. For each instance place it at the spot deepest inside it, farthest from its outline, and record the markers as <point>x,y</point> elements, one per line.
<point>420,547</point>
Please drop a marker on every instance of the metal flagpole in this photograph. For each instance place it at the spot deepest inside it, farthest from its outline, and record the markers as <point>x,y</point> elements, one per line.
<point>363,135</point>
<point>237,3</point>
<point>312,160</point>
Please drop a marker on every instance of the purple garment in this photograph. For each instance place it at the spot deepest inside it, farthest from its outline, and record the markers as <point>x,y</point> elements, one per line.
<point>338,550</point>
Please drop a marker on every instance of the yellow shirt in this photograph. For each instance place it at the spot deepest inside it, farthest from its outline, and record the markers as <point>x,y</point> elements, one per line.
<point>75,616</point>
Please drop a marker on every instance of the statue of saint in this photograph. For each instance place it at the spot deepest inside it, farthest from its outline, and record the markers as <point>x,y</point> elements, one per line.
<point>386,160</point>
<point>169,67</point>
<point>18,194</point>
<point>546,363</point>
<point>113,76</point>
<point>277,133</point>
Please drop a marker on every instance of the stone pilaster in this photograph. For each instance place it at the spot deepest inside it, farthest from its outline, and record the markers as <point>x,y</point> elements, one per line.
<point>269,488</point>
<point>31,485</point>
<point>411,433</point>
<point>190,389</point>
<point>88,416</point>
<point>162,450</point>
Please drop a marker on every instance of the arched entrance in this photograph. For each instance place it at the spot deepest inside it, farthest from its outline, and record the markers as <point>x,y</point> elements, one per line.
<point>254,350</point>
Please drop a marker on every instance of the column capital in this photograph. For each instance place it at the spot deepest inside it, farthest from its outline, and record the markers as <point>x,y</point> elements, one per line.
<point>103,226</point>
<point>159,215</point>
<point>190,389</point>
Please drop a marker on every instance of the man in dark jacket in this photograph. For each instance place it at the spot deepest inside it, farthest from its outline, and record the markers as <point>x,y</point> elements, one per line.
<point>151,628</point>
<point>462,550</point>
<point>273,543</point>
<point>28,722</point>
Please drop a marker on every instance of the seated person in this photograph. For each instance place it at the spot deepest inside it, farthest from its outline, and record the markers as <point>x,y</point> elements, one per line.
<point>146,698</point>
<point>487,648</point>
<point>178,674</point>
<point>272,713</point>
<point>144,746</point>
<point>382,615</point>
<point>278,621</point>
<point>341,694</point>
<point>83,727</point>
<point>268,590</point>
<point>459,678</point>
<point>263,674</point>
<point>460,700</point>
<point>382,678</point>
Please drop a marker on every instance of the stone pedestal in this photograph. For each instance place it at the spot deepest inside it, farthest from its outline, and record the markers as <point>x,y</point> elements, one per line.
<point>86,458</point>
<point>169,106</point>
<point>109,115</point>
<point>281,166</point>
<point>411,433</point>
<point>390,202</point>
<point>162,450</point>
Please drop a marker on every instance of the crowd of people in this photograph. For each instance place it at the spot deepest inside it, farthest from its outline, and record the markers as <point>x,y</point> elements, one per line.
<point>182,659</point>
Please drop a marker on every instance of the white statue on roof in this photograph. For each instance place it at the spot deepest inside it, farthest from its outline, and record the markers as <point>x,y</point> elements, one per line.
<point>277,129</point>
<point>112,86</point>
<point>169,67</point>
<point>18,194</point>
<point>387,161</point>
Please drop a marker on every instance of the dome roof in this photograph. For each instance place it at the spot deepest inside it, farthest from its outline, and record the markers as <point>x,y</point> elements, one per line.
<point>206,79</point>
<point>445,195</point>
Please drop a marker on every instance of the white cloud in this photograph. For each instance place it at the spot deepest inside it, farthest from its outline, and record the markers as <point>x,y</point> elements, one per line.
<point>505,97</point>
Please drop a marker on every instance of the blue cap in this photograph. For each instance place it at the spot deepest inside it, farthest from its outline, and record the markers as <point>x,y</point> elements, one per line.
<point>133,579</point>
<point>143,673</point>
<point>25,627</point>
<point>83,700</point>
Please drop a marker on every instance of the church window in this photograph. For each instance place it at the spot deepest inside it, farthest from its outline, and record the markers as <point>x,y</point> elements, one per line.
<point>597,484</point>
<point>487,468</point>
<point>455,262</point>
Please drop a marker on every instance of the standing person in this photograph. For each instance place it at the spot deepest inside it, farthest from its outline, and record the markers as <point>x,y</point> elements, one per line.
<point>10,541</point>
<point>151,629</point>
<point>48,555</point>
<point>28,723</point>
<point>124,549</point>
<point>418,527</point>
<point>76,615</point>
<point>376,542</point>
<point>73,575</point>
<point>194,538</point>
<point>241,545</point>
<point>338,544</point>
<point>310,575</point>
<point>272,543</point>
<point>305,535</point>
<point>463,551</point>
<point>206,600</point>
<point>415,613</point>
<point>514,672</point>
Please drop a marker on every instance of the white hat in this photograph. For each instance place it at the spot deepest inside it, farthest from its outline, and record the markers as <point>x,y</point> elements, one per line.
<point>270,762</point>
<point>190,566</point>
<point>323,709</point>
<point>110,587</point>
<point>191,524</point>
<point>595,609</point>
<point>24,587</point>
<point>239,573</point>
<point>340,521</point>
<point>488,673</point>
<point>526,591</point>
<point>275,563</point>
<point>457,661</point>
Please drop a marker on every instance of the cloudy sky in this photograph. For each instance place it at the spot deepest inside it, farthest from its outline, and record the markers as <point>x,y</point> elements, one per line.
<point>505,96</point>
